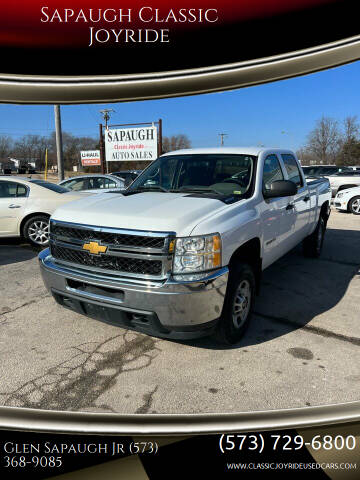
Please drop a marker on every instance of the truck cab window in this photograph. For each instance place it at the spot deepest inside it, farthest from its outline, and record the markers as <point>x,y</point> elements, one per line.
<point>162,174</point>
<point>217,173</point>
<point>272,171</point>
<point>292,169</point>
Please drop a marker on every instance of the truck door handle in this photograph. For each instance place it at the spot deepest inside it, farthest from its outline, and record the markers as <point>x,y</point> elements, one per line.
<point>291,206</point>
<point>14,206</point>
<point>306,199</point>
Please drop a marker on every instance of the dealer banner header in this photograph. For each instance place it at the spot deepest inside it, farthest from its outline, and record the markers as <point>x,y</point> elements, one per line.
<point>131,144</point>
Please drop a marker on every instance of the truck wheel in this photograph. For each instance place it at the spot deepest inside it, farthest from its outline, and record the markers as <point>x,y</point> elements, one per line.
<point>312,245</point>
<point>354,205</point>
<point>36,230</point>
<point>238,305</point>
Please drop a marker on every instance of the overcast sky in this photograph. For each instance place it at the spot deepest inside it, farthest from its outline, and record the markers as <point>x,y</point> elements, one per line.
<point>278,114</point>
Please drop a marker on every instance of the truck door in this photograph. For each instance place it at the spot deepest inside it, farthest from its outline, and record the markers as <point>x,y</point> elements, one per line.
<point>299,215</point>
<point>13,197</point>
<point>273,213</point>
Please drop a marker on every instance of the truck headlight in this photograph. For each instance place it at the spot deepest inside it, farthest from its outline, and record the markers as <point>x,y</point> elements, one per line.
<point>339,195</point>
<point>197,254</point>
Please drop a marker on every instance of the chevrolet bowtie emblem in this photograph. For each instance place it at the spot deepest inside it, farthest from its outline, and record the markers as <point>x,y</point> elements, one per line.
<point>94,248</point>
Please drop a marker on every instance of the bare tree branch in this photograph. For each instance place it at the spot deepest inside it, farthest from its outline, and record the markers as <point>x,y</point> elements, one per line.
<point>175,142</point>
<point>324,141</point>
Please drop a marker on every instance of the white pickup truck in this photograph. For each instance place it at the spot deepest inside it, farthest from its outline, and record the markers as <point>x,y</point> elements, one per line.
<point>180,253</point>
<point>343,181</point>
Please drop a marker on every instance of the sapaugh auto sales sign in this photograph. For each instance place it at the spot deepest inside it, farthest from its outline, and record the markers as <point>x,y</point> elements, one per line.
<point>128,144</point>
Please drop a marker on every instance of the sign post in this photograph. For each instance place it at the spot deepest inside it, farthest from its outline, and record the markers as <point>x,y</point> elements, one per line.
<point>102,151</point>
<point>46,163</point>
<point>160,138</point>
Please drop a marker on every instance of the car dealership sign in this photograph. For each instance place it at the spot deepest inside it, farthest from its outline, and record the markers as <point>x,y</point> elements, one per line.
<point>90,157</point>
<point>131,144</point>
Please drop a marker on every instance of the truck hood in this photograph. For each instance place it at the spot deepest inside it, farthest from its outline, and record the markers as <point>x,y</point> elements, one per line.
<point>151,211</point>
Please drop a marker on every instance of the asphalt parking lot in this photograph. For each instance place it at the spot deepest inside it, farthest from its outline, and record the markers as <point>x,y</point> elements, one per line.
<point>302,348</point>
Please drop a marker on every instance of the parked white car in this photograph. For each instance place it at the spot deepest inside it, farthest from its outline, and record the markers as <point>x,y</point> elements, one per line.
<point>179,254</point>
<point>26,206</point>
<point>348,200</point>
<point>94,183</point>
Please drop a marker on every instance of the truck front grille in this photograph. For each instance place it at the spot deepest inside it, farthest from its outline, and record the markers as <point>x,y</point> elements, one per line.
<point>129,253</point>
<point>119,239</point>
<point>108,262</point>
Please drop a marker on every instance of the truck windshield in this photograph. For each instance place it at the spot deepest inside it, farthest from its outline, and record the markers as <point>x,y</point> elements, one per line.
<point>221,174</point>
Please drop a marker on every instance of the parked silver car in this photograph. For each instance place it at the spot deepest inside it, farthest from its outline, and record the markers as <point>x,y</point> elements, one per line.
<point>94,183</point>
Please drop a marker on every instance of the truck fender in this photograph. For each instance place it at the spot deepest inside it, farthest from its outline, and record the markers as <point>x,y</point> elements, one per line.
<point>249,253</point>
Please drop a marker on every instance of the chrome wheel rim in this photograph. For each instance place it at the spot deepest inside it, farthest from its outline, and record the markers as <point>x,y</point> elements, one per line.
<point>38,232</point>
<point>355,206</point>
<point>242,303</point>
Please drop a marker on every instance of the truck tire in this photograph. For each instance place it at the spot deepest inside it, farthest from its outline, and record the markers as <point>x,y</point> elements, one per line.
<point>36,230</point>
<point>312,245</point>
<point>238,305</point>
<point>354,205</point>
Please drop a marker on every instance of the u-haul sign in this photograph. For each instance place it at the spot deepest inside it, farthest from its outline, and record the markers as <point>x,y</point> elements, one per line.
<point>131,144</point>
<point>90,157</point>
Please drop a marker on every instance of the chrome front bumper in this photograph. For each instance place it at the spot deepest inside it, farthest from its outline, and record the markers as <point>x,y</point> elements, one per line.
<point>171,309</point>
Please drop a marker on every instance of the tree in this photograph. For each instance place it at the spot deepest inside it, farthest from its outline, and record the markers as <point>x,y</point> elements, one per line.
<point>350,153</point>
<point>324,141</point>
<point>305,156</point>
<point>31,148</point>
<point>71,148</point>
<point>351,129</point>
<point>6,144</point>
<point>175,142</point>
<point>350,147</point>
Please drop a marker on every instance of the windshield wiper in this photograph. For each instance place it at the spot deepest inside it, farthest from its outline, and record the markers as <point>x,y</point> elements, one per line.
<point>143,188</point>
<point>195,189</point>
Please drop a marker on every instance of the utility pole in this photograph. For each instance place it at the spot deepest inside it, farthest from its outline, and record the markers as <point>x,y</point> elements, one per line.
<point>102,152</point>
<point>59,145</point>
<point>106,116</point>
<point>222,135</point>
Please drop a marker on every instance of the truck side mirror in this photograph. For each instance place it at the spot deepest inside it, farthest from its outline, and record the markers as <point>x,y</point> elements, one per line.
<point>280,188</point>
